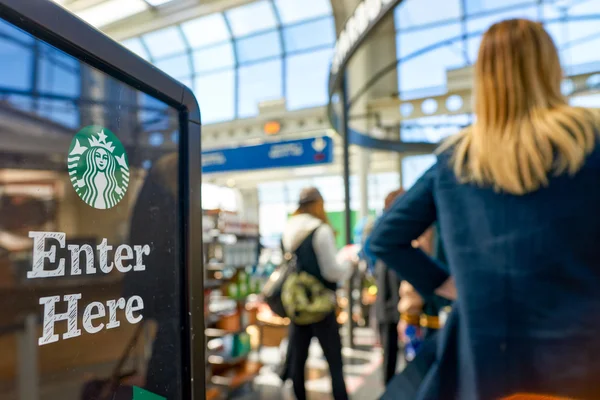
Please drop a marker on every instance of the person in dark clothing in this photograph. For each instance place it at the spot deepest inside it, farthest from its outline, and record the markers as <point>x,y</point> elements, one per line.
<point>387,316</point>
<point>309,236</point>
<point>386,307</point>
<point>516,196</point>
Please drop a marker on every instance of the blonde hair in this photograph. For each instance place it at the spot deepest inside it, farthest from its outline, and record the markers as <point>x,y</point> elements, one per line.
<point>525,130</point>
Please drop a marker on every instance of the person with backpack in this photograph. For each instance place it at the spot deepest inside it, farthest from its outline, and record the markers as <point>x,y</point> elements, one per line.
<point>311,239</point>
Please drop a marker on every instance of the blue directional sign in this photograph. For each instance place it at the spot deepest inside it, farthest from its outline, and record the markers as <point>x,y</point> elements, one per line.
<point>291,153</point>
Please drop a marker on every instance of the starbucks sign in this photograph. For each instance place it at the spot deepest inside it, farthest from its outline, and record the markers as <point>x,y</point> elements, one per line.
<point>98,167</point>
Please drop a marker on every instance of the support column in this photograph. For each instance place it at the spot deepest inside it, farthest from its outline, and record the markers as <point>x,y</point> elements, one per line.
<point>344,130</point>
<point>363,181</point>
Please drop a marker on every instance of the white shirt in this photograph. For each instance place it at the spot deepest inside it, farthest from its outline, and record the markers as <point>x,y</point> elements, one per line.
<point>299,227</point>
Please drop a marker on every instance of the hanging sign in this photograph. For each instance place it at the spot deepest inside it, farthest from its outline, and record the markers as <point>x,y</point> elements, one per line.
<point>285,154</point>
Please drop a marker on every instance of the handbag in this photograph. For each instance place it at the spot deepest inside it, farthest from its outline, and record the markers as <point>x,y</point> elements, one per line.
<point>272,291</point>
<point>113,388</point>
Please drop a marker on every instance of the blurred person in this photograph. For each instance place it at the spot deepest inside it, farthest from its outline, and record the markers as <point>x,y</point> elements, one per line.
<point>310,237</point>
<point>516,196</point>
<point>386,314</point>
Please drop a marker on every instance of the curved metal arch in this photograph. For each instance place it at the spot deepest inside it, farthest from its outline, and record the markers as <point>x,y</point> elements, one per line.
<point>365,140</point>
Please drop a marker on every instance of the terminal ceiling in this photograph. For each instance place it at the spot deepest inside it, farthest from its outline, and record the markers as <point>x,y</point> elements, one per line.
<point>237,53</point>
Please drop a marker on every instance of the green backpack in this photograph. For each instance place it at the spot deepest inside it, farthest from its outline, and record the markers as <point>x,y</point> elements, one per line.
<point>305,299</point>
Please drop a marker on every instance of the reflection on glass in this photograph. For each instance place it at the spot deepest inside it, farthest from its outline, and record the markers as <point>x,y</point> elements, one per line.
<point>89,253</point>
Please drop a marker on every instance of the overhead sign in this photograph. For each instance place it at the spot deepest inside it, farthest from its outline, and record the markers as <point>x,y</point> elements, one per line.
<point>285,154</point>
<point>366,15</point>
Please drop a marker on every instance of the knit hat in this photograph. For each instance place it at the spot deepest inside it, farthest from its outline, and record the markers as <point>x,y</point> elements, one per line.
<point>309,195</point>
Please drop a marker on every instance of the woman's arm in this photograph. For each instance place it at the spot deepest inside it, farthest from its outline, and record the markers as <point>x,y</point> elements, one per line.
<point>391,241</point>
<point>326,251</point>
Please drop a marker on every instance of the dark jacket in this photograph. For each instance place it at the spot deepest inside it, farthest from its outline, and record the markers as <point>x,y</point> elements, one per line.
<point>388,286</point>
<point>527,273</point>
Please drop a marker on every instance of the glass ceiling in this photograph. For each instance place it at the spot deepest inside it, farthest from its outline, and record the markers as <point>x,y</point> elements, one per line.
<point>265,50</point>
<point>435,36</point>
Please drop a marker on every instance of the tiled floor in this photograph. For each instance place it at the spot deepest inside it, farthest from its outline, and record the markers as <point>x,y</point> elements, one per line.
<point>361,370</point>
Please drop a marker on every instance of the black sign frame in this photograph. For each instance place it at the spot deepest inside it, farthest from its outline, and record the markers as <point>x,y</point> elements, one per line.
<point>51,23</point>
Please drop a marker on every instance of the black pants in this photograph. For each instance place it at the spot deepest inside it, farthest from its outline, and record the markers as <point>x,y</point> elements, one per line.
<point>389,341</point>
<point>328,334</point>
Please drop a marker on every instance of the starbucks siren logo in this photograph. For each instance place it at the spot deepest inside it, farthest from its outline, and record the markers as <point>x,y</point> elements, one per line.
<point>98,167</point>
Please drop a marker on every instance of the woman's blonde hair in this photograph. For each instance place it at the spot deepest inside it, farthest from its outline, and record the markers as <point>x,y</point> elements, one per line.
<point>525,131</point>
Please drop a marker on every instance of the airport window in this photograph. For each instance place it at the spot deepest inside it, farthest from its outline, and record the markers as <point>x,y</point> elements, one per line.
<point>215,57</point>
<point>205,31</point>
<point>291,11</point>
<point>165,42</point>
<point>309,35</point>
<point>411,13</point>
<point>258,82</point>
<point>306,79</point>
<point>251,18</point>
<point>258,47</point>
<point>216,96</point>
<point>177,67</point>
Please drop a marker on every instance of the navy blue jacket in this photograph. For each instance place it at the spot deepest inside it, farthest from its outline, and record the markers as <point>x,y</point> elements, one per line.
<point>527,271</point>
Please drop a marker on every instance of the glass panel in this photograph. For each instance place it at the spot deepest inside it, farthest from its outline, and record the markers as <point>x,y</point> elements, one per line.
<point>57,79</point>
<point>291,11</point>
<point>306,80</point>
<point>251,18</point>
<point>478,6</point>
<point>582,47</point>
<point>433,129</point>
<point>591,101</point>
<point>258,82</point>
<point>309,35</point>
<point>551,11</point>
<point>164,42</point>
<point>215,57</point>
<point>17,65</point>
<point>271,192</point>
<point>428,71</point>
<point>59,111</point>
<point>137,47</point>
<point>483,23</point>
<point>89,244</point>
<point>177,67</point>
<point>331,188</point>
<point>258,47</point>
<point>409,42</point>
<point>558,31</point>
<point>215,93</point>
<point>415,166</point>
<point>412,13</point>
<point>206,30</point>
<point>585,7</point>
<point>14,32</point>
